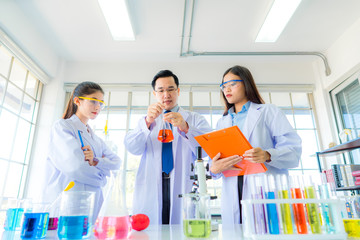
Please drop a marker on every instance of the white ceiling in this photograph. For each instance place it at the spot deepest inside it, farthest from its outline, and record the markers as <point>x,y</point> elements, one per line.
<point>77,30</point>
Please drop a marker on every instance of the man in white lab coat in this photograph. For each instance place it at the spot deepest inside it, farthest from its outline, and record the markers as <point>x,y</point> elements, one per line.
<point>165,168</point>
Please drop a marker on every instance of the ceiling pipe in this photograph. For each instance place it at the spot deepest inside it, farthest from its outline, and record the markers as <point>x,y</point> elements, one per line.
<point>189,53</point>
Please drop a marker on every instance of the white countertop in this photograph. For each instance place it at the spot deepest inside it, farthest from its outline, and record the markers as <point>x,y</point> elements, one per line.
<point>175,232</point>
<point>153,232</point>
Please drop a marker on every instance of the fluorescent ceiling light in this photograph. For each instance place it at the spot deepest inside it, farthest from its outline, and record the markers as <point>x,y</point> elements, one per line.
<point>118,19</point>
<point>276,20</point>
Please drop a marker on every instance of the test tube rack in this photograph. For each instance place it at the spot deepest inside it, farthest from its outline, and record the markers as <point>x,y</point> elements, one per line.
<point>249,219</point>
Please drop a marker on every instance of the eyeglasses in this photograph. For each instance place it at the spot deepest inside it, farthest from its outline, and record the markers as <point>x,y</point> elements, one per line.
<point>231,84</point>
<point>169,90</point>
<point>95,102</point>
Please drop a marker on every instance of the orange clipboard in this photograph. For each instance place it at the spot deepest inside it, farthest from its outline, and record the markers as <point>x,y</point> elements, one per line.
<point>230,141</point>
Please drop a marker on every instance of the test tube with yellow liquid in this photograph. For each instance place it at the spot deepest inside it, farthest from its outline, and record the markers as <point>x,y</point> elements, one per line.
<point>312,208</point>
<point>283,193</point>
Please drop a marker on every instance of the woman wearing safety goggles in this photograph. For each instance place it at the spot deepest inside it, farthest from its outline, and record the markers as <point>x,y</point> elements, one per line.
<point>75,152</point>
<point>275,143</point>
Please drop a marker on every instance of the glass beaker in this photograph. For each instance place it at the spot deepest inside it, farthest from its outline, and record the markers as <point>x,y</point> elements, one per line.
<point>35,221</point>
<point>14,212</point>
<point>165,133</point>
<point>76,211</point>
<point>196,214</point>
<point>113,221</point>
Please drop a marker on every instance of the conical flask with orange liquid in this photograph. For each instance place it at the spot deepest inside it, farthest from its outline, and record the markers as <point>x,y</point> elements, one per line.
<point>165,133</point>
<point>113,221</point>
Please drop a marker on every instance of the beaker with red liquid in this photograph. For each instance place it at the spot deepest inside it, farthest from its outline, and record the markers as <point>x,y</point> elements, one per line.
<point>165,133</point>
<point>113,221</point>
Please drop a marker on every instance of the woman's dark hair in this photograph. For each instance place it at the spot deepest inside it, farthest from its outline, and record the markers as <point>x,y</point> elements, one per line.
<point>83,89</point>
<point>251,90</point>
<point>164,73</point>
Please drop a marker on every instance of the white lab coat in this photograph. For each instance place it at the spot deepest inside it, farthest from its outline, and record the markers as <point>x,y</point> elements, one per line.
<point>66,162</point>
<point>148,184</point>
<point>267,127</point>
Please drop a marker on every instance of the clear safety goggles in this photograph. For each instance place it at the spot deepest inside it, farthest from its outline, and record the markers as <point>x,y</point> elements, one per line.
<point>231,84</point>
<point>95,102</point>
<point>169,90</point>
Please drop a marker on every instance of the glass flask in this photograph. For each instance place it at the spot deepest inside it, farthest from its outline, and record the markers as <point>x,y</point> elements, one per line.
<point>113,221</point>
<point>165,133</point>
<point>197,216</point>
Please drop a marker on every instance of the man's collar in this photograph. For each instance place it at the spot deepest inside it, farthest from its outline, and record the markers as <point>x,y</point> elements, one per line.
<point>174,109</point>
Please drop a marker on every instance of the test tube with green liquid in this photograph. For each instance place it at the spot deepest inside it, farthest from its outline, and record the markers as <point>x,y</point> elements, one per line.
<point>312,208</point>
<point>286,216</point>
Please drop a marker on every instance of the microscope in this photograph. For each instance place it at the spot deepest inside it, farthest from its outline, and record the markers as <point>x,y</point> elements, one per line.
<point>196,204</point>
<point>200,175</point>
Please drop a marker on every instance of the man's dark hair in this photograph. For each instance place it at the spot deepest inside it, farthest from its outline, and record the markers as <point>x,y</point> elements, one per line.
<point>164,73</point>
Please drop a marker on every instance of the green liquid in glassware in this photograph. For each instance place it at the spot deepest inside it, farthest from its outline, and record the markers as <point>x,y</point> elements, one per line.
<point>197,228</point>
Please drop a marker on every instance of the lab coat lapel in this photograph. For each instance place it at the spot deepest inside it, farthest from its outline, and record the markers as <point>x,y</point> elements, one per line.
<point>251,119</point>
<point>185,115</point>
<point>86,136</point>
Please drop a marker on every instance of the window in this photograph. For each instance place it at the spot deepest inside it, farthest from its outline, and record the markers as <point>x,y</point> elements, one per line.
<point>346,98</point>
<point>299,111</point>
<point>128,105</point>
<point>20,93</point>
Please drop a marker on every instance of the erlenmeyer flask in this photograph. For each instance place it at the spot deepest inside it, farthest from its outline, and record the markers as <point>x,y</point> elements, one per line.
<point>165,133</point>
<point>113,221</point>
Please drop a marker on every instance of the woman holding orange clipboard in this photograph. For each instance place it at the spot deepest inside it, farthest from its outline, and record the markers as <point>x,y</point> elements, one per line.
<point>275,143</point>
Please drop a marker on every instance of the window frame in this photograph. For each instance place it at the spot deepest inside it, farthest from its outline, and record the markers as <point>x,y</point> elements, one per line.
<point>210,89</point>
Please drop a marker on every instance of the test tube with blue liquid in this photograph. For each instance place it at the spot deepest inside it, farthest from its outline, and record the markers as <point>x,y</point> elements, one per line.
<point>272,214</point>
<point>328,211</point>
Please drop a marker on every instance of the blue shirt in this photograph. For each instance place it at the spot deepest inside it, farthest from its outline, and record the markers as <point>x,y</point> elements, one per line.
<point>239,118</point>
<point>174,109</point>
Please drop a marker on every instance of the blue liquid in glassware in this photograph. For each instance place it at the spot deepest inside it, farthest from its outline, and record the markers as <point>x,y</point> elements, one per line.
<point>13,219</point>
<point>74,227</point>
<point>273,219</point>
<point>34,225</point>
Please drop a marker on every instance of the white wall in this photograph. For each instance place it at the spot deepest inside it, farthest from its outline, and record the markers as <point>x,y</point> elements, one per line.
<point>190,71</point>
<point>51,109</point>
<point>344,60</point>
<point>16,25</point>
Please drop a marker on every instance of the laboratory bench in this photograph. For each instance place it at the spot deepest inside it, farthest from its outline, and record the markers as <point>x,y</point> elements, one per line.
<point>175,232</point>
<point>153,232</point>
